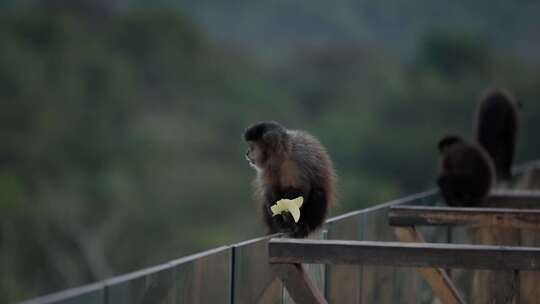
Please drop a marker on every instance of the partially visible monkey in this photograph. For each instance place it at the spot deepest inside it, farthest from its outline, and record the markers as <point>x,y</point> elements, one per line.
<point>289,164</point>
<point>497,122</point>
<point>466,172</point>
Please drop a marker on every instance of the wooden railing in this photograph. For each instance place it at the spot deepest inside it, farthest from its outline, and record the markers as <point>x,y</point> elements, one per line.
<point>496,219</point>
<point>286,255</point>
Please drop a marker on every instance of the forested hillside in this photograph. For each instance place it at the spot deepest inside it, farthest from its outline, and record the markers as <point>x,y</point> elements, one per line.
<point>120,130</point>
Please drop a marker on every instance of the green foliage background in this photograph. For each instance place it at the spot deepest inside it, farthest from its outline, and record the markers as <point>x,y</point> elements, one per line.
<point>120,126</point>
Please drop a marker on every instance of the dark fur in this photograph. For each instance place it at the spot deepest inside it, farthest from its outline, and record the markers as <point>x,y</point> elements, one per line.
<point>291,164</point>
<point>497,122</point>
<point>466,172</point>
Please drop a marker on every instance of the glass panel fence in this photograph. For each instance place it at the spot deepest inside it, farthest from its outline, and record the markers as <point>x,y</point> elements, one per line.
<point>204,278</point>
<point>343,282</point>
<point>254,281</point>
<point>241,273</point>
<point>377,282</point>
<point>90,294</point>
<point>201,278</point>
<point>152,285</point>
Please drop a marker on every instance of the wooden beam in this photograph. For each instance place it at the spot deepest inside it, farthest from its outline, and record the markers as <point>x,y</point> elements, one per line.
<point>298,284</point>
<point>471,217</point>
<point>437,278</point>
<point>529,199</point>
<point>404,254</point>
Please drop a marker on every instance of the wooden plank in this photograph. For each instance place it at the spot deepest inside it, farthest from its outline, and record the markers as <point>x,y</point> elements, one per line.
<point>495,286</point>
<point>437,278</point>
<point>298,284</point>
<point>528,199</point>
<point>472,217</point>
<point>504,287</point>
<point>404,254</point>
<point>529,281</point>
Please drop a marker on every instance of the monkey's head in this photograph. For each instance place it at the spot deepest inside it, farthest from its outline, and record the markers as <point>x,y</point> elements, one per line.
<point>447,141</point>
<point>268,143</point>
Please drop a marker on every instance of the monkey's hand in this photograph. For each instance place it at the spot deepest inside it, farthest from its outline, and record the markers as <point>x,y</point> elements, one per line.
<point>292,228</point>
<point>287,219</point>
<point>284,222</point>
<point>299,231</point>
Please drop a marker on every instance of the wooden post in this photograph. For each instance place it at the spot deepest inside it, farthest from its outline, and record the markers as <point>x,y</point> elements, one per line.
<point>496,286</point>
<point>298,284</point>
<point>437,278</point>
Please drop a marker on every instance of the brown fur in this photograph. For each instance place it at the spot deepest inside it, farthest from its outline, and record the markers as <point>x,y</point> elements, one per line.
<point>290,164</point>
<point>466,172</point>
<point>496,124</point>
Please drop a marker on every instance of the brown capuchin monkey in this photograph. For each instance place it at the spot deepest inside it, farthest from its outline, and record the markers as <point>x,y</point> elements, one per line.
<point>466,172</point>
<point>497,122</point>
<point>289,164</point>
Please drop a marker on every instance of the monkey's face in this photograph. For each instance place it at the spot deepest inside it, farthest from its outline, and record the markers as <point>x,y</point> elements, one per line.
<point>255,155</point>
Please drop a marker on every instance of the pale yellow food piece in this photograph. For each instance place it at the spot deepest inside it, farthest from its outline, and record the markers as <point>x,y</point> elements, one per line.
<point>287,205</point>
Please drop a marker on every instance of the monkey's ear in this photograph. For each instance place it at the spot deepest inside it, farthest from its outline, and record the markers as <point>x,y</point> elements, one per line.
<point>272,138</point>
<point>275,140</point>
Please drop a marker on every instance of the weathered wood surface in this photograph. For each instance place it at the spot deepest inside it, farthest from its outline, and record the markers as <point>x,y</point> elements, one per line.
<point>530,281</point>
<point>298,284</point>
<point>437,278</point>
<point>504,287</point>
<point>472,217</point>
<point>496,286</point>
<point>404,254</point>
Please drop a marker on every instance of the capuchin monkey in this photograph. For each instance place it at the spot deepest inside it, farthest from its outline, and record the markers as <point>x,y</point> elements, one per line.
<point>289,164</point>
<point>466,172</point>
<point>497,122</point>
